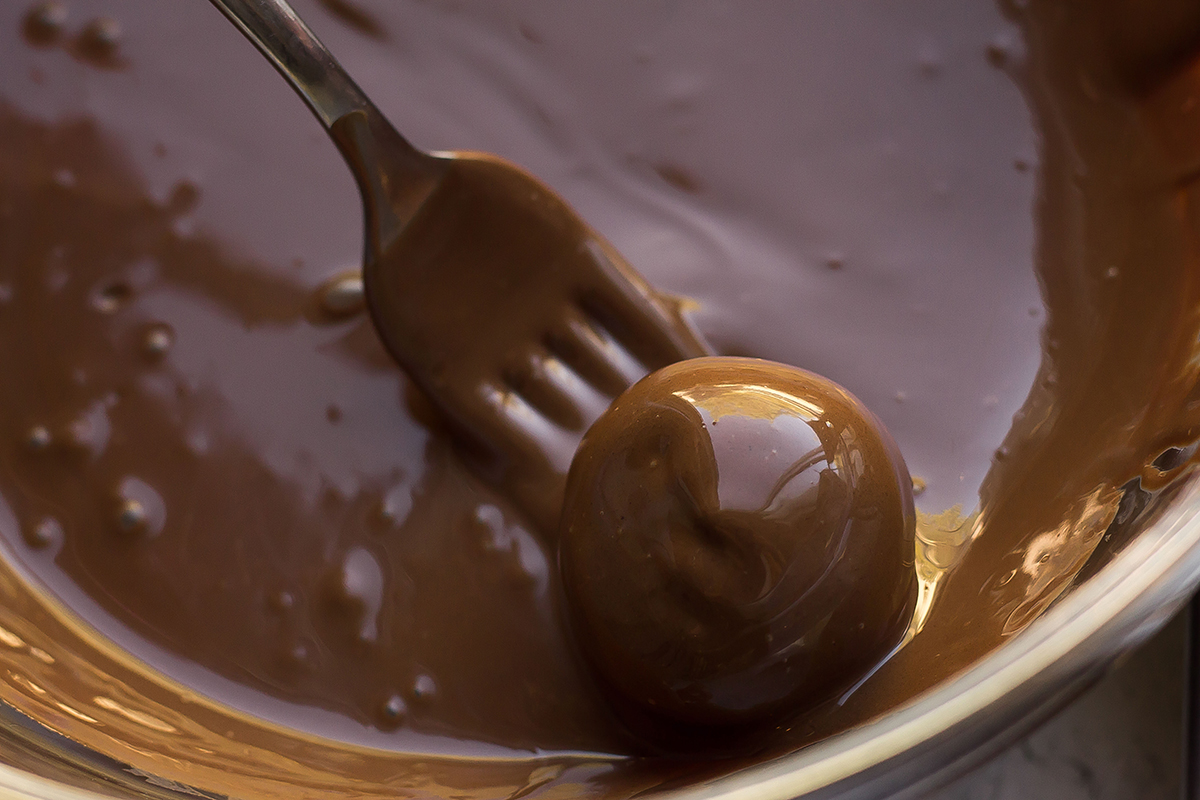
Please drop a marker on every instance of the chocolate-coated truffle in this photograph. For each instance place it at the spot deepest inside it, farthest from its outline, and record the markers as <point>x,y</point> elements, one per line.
<point>736,542</point>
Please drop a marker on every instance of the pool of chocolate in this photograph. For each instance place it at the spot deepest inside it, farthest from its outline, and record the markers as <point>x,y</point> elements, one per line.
<point>239,552</point>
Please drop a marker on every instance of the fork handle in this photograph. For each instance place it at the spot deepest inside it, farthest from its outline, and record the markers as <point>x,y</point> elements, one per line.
<point>393,176</point>
<point>288,43</point>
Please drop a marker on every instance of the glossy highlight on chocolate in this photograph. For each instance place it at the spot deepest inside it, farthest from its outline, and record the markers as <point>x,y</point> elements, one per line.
<point>240,553</point>
<point>737,542</point>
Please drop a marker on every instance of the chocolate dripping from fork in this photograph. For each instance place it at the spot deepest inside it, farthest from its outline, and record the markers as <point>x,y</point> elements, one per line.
<point>505,309</point>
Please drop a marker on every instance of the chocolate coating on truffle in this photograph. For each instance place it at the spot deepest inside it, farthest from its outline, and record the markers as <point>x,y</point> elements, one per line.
<point>737,542</point>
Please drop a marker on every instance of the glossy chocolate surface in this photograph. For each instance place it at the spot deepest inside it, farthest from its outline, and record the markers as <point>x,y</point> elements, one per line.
<point>737,542</point>
<point>982,220</point>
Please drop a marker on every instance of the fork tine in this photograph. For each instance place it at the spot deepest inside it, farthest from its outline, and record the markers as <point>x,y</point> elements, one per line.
<point>514,447</point>
<point>621,316</point>
<point>623,305</point>
<point>534,380</point>
<point>523,428</point>
<point>590,401</point>
<point>593,354</point>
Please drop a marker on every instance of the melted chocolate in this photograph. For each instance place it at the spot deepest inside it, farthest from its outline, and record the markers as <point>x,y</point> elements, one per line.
<point>249,497</point>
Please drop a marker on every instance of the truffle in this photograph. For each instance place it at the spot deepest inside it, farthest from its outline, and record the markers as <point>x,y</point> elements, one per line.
<point>736,542</point>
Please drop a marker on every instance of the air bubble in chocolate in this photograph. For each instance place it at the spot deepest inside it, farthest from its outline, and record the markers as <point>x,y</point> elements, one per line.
<point>395,506</point>
<point>38,438</point>
<point>44,533</point>
<point>140,510</point>
<point>99,40</point>
<point>109,298</point>
<point>157,340</point>
<point>131,517</point>
<point>391,713</point>
<point>298,654</point>
<point>395,708</point>
<point>343,296</point>
<point>44,22</point>
<point>424,688</point>
<point>357,590</point>
<point>281,601</point>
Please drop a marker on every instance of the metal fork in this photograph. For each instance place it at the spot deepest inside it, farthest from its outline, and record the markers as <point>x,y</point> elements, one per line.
<point>502,305</point>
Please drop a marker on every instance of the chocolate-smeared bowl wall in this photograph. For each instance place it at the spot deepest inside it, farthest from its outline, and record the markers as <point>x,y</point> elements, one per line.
<point>242,557</point>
